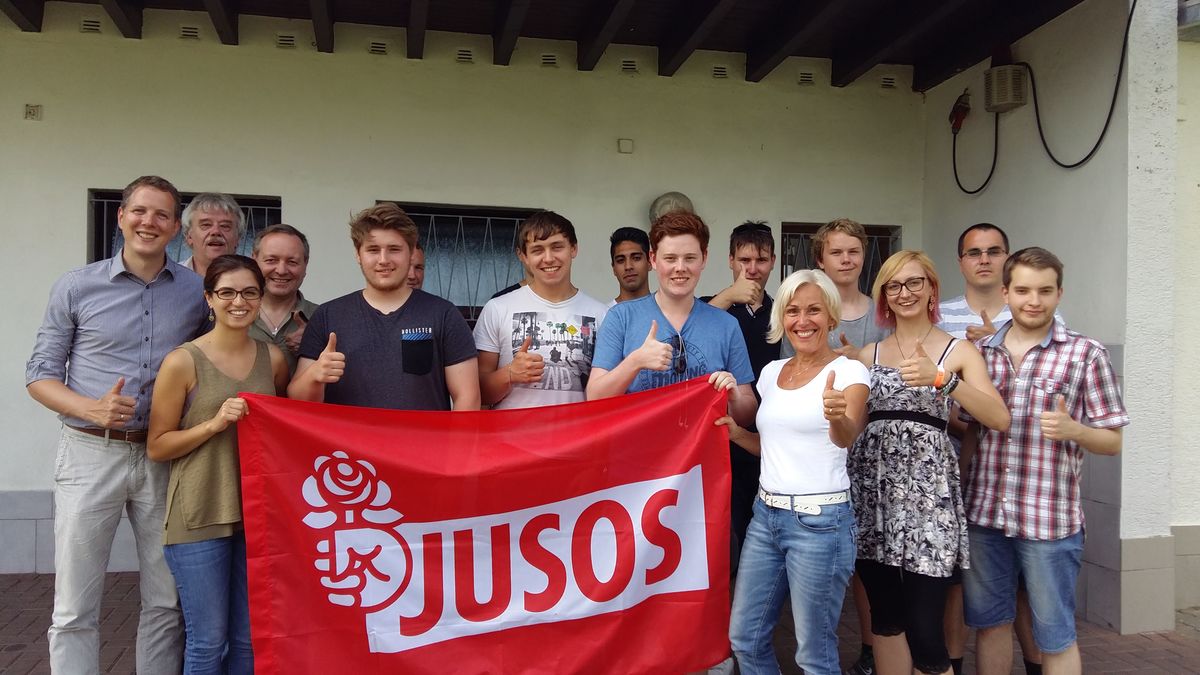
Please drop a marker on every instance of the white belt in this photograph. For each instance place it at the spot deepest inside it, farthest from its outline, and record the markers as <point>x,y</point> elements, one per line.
<point>810,504</point>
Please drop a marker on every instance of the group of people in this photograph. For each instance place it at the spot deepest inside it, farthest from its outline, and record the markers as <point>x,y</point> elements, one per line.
<point>856,405</point>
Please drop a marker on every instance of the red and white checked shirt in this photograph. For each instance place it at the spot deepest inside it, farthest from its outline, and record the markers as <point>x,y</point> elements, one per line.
<point>1020,481</point>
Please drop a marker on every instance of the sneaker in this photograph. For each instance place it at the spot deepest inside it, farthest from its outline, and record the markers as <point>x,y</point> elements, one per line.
<point>864,666</point>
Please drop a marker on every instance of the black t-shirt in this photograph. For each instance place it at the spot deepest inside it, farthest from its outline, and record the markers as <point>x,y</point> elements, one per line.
<point>754,330</point>
<point>393,360</point>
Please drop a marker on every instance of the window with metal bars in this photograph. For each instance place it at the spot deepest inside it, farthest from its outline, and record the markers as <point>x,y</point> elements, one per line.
<point>882,241</point>
<point>104,234</point>
<point>469,251</point>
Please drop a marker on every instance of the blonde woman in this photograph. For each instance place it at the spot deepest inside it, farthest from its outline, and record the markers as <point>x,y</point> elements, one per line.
<point>801,538</point>
<point>912,527</point>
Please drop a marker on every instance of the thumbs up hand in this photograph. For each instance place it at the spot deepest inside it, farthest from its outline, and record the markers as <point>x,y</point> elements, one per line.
<point>745,291</point>
<point>653,355</point>
<point>848,348</point>
<point>112,410</point>
<point>1057,423</point>
<point>833,399</point>
<point>331,364</point>
<point>918,370</point>
<point>976,332</point>
<point>526,368</point>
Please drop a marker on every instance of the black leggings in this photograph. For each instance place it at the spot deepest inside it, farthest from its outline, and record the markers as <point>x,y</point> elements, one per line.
<point>909,603</point>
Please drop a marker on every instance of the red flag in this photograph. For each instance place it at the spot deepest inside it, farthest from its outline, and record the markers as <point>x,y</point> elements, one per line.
<point>582,538</point>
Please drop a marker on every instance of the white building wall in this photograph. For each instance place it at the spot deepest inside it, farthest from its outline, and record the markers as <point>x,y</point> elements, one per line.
<point>1185,469</point>
<point>1079,214</point>
<point>331,133</point>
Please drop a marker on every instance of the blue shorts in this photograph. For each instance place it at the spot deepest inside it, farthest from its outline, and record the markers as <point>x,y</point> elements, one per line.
<point>1049,569</point>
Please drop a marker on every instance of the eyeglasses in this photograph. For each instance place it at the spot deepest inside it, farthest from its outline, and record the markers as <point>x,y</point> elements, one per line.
<point>678,345</point>
<point>913,285</point>
<point>976,254</point>
<point>248,294</point>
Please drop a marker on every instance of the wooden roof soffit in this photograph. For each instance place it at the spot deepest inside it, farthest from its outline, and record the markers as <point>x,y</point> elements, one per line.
<point>602,29</point>
<point>697,21</point>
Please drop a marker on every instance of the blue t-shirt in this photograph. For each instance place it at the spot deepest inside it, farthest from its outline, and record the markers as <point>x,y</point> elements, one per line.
<point>712,341</point>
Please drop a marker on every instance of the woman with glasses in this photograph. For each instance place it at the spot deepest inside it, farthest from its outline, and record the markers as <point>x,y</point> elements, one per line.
<point>192,424</point>
<point>912,527</point>
<point>801,538</point>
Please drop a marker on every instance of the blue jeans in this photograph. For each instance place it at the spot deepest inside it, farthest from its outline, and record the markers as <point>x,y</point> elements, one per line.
<point>1050,570</point>
<point>211,578</point>
<point>812,556</point>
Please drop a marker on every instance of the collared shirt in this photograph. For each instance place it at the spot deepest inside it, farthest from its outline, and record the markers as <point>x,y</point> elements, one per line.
<point>261,330</point>
<point>1020,481</point>
<point>103,322</point>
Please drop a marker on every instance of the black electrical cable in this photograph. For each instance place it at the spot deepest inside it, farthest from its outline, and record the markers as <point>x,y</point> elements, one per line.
<point>995,153</point>
<point>1111,106</point>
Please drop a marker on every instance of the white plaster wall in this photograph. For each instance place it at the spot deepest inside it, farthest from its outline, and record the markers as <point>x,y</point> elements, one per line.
<point>1185,470</point>
<point>1079,214</point>
<point>330,133</point>
<point>1151,279</point>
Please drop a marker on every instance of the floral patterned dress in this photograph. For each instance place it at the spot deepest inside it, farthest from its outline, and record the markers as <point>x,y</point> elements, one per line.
<point>904,479</point>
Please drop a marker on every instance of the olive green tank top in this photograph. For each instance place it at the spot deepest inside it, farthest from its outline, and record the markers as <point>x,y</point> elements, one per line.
<point>204,495</point>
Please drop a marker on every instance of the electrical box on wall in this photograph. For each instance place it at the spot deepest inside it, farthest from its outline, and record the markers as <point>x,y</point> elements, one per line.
<point>1004,88</point>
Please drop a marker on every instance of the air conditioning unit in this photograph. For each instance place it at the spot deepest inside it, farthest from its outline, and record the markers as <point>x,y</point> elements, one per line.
<point>1004,88</point>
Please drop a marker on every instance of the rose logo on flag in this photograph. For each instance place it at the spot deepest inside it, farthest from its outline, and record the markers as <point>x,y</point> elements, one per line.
<point>358,553</point>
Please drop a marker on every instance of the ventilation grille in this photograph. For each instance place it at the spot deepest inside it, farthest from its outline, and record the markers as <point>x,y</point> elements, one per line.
<point>629,66</point>
<point>806,79</point>
<point>549,60</point>
<point>887,82</point>
<point>378,47</point>
<point>720,72</point>
<point>464,56</point>
<point>285,40</point>
<point>89,25</point>
<point>189,32</point>
<point>1004,88</point>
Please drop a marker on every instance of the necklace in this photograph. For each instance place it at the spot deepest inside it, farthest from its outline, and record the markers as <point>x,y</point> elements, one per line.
<point>800,372</point>
<point>906,356</point>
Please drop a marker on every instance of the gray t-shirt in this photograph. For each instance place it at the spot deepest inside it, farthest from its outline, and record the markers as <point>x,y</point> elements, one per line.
<point>395,360</point>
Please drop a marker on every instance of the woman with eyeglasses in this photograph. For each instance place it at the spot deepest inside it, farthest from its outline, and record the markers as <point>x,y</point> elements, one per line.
<point>912,526</point>
<point>801,538</point>
<point>192,424</point>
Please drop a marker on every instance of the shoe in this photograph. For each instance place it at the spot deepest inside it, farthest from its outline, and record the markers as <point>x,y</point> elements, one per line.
<point>864,666</point>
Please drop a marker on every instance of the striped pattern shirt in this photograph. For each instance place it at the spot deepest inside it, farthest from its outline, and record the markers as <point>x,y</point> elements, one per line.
<point>1020,481</point>
<point>957,315</point>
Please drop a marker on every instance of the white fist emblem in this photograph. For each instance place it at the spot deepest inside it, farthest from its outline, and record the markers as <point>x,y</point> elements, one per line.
<point>363,560</point>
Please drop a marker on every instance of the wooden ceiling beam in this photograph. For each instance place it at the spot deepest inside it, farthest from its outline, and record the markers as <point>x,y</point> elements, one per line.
<point>322,18</point>
<point>224,15</point>
<point>698,19</point>
<point>899,26</point>
<point>601,31</point>
<point>509,18</point>
<point>418,18</point>
<point>126,15</point>
<point>27,14</point>
<point>788,36</point>
<point>1008,21</point>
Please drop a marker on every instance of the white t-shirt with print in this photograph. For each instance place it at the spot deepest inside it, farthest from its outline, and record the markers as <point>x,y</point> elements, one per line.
<point>564,334</point>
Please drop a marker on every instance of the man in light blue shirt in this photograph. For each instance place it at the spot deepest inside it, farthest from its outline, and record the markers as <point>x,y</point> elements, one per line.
<point>107,328</point>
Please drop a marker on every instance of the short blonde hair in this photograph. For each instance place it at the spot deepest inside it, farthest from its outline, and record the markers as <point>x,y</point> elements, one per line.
<point>829,294</point>
<point>843,225</point>
<point>883,317</point>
